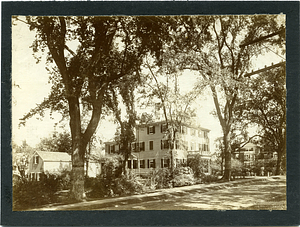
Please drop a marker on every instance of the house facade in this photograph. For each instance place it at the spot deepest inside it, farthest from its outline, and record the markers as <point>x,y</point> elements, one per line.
<point>152,149</point>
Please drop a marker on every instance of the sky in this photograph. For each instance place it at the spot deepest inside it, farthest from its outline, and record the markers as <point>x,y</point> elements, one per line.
<point>32,86</point>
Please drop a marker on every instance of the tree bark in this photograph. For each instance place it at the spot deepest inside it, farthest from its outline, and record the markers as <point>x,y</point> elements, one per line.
<point>77,191</point>
<point>227,150</point>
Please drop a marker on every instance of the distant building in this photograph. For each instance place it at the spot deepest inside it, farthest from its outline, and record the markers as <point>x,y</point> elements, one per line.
<point>251,153</point>
<point>54,162</point>
<point>45,161</point>
<point>152,150</point>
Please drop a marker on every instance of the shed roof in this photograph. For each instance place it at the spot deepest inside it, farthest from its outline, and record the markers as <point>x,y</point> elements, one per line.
<point>54,156</point>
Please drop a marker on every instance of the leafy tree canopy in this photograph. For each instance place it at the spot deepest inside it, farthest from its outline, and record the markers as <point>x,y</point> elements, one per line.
<point>57,142</point>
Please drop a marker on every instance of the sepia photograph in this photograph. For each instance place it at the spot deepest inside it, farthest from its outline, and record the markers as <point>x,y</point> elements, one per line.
<point>149,112</point>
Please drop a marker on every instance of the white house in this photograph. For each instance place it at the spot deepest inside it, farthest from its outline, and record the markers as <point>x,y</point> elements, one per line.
<point>152,150</point>
<point>54,162</point>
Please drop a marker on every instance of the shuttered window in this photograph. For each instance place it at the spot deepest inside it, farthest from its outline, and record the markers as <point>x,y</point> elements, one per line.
<point>150,145</point>
<point>151,129</point>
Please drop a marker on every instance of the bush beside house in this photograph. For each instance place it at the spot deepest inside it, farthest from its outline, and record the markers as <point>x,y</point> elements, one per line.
<point>31,193</point>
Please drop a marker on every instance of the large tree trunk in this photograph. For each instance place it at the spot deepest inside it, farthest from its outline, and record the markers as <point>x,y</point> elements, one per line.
<point>77,190</point>
<point>227,150</point>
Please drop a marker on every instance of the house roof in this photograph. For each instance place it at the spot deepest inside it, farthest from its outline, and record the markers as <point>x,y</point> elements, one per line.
<point>54,156</point>
<point>183,124</point>
<point>249,145</point>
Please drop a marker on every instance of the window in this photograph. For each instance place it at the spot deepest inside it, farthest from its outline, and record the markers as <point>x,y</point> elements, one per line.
<point>107,148</point>
<point>37,176</point>
<point>135,164</point>
<point>192,146</point>
<point>200,133</point>
<point>205,134</point>
<point>193,132</point>
<point>185,145</point>
<point>151,129</point>
<point>184,130</point>
<point>142,164</point>
<point>133,146</point>
<point>151,163</point>
<point>205,147</point>
<point>112,148</point>
<point>150,145</point>
<point>129,164</point>
<point>164,144</point>
<point>165,163</point>
<point>36,159</point>
<point>163,128</point>
<point>142,146</point>
<point>177,144</point>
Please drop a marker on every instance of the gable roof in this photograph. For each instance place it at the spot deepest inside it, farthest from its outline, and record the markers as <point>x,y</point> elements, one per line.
<point>54,156</point>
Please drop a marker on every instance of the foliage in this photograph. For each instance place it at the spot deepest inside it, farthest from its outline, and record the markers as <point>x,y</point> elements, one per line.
<point>112,181</point>
<point>198,165</point>
<point>161,92</point>
<point>183,176</point>
<point>30,193</point>
<point>160,178</point>
<point>128,184</point>
<point>58,142</point>
<point>264,105</point>
<point>20,157</point>
<point>262,167</point>
<point>89,59</point>
<point>111,167</point>
<point>224,58</point>
<point>236,166</point>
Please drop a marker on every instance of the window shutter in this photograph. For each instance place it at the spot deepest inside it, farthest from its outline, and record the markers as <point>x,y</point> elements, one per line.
<point>143,145</point>
<point>154,163</point>
<point>162,163</point>
<point>161,144</point>
<point>148,163</point>
<point>153,129</point>
<point>148,130</point>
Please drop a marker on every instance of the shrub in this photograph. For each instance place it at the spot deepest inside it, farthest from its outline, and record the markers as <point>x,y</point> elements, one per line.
<point>183,176</point>
<point>65,179</point>
<point>198,165</point>
<point>30,194</point>
<point>128,184</point>
<point>268,166</point>
<point>112,181</point>
<point>160,178</point>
